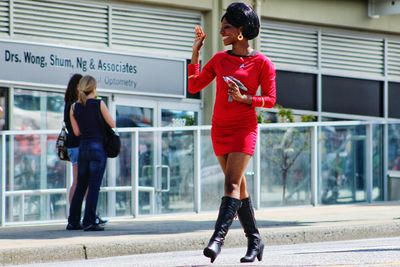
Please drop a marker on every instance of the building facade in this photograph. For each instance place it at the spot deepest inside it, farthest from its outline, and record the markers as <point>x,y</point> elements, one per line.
<point>336,60</point>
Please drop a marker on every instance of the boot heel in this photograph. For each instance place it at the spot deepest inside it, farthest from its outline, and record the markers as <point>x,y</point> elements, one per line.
<point>260,254</point>
<point>210,254</point>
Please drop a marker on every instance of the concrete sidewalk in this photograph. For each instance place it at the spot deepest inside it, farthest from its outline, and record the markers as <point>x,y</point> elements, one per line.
<point>46,243</point>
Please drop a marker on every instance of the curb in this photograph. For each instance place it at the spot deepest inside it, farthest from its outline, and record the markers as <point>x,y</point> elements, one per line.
<point>194,241</point>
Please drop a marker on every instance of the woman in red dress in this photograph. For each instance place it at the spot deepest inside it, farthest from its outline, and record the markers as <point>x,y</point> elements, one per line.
<point>238,73</point>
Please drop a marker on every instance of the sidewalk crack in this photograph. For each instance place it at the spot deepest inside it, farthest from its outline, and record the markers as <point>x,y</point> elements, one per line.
<point>85,252</point>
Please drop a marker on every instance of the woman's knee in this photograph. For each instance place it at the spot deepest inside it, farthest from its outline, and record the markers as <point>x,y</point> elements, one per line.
<point>231,186</point>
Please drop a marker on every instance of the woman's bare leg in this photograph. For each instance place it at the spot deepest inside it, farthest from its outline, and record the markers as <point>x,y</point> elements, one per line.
<point>243,186</point>
<point>236,164</point>
<point>74,182</point>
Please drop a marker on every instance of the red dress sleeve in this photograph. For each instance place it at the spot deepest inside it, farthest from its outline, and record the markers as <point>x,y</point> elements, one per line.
<point>267,98</point>
<point>197,79</point>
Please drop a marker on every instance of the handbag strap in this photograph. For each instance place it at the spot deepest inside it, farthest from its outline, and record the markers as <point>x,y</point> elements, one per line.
<point>64,126</point>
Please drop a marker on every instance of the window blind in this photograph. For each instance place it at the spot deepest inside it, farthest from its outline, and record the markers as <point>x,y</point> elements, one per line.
<point>57,19</point>
<point>4,17</point>
<point>352,53</point>
<point>393,58</point>
<point>154,29</point>
<point>289,46</point>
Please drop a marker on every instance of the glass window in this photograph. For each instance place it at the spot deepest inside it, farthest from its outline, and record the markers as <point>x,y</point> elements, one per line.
<point>286,169</point>
<point>35,110</point>
<point>352,96</point>
<point>394,96</point>
<point>178,118</point>
<point>342,178</point>
<point>296,90</point>
<point>3,109</point>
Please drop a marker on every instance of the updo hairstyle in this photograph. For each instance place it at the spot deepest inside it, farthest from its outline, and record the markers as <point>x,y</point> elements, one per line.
<point>243,15</point>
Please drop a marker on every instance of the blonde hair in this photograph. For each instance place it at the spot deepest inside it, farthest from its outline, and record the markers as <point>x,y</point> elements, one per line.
<point>86,86</point>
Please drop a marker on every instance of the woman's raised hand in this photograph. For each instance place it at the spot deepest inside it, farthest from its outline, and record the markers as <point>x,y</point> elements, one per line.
<point>199,36</point>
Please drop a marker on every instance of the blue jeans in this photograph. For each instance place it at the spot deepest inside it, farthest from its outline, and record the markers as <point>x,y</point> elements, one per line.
<point>91,166</point>
<point>73,154</point>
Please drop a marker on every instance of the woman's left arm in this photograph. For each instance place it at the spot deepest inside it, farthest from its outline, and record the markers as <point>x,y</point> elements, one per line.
<point>267,98</point>
<point>74,123</point>
<point>106,115</point>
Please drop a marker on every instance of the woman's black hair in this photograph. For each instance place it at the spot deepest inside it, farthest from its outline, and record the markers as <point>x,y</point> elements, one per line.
<point>243,15</point>
<point>71,94</point>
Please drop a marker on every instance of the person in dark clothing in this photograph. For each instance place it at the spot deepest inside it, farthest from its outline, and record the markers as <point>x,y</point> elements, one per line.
<point>86,123</point>
<point>72,143</point>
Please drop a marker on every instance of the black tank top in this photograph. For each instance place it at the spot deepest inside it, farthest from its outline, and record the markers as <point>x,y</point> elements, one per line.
<point>72,140</point>
<point>88,119</point>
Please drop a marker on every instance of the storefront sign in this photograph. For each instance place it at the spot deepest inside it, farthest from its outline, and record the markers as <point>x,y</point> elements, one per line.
<point>53,66</point>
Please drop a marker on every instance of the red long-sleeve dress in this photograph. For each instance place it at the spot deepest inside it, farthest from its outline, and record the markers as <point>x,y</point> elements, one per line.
<point>234,124</point>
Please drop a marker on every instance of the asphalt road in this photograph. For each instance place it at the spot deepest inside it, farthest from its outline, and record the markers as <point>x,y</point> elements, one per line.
<point>366,252</point>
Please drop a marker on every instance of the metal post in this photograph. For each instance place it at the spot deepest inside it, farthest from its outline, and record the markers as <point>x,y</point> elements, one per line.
<point>385,161</point>
<point>111,171</point>
<point>135,174</point>
<point>368,161</point>
<point>197,170</point>
<point>257,175</point>
<point>68,183</point>
<point>386,125</point>
<point>315,160</point>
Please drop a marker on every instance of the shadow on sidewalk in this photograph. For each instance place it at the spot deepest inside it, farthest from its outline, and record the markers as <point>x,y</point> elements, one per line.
<point>126,228</point>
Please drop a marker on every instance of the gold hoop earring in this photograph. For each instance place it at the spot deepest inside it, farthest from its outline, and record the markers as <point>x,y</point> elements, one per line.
<point>240,37</point>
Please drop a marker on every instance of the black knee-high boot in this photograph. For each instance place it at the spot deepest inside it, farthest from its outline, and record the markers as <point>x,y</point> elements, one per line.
<point>255,246</point>
<point>227,212</point>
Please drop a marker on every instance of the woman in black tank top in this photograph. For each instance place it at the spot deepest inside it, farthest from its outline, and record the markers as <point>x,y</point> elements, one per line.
<point>92,159</point>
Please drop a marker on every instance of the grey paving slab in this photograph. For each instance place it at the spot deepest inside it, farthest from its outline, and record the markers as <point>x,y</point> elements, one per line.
<point>126,236</point>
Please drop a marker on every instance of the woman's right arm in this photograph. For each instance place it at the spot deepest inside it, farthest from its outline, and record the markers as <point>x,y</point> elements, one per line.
<point>198,80</point>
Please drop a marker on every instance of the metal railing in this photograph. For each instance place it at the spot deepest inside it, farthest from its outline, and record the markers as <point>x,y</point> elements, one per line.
<point>294,164</point>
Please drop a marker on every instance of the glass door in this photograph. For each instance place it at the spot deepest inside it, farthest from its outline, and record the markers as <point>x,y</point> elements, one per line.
<point>177,157</point>
<point>165,158</point>
<point>131,112</point>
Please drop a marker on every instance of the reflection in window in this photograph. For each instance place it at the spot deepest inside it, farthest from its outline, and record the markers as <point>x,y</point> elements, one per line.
<point>128,116</point>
